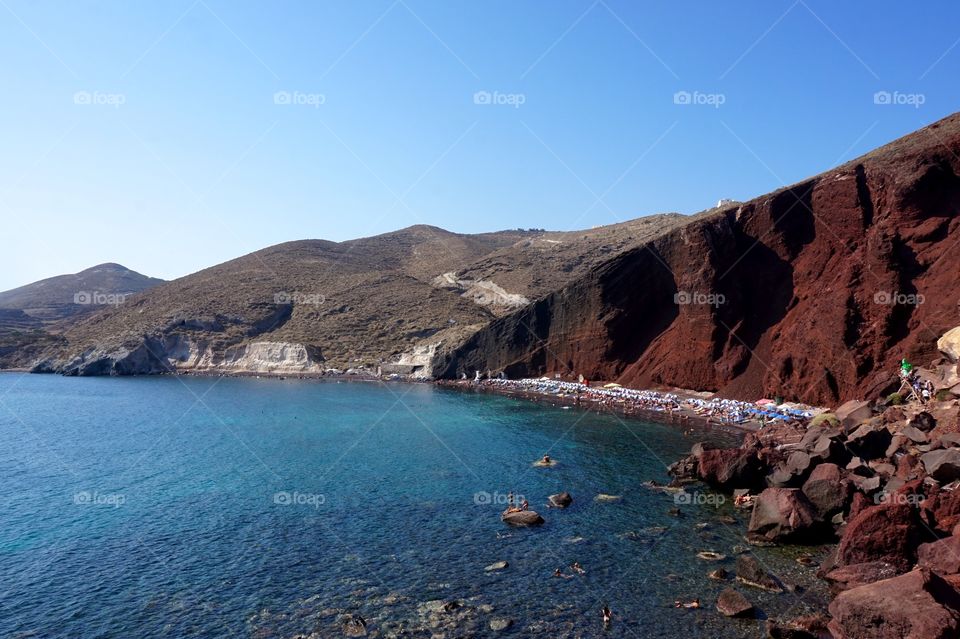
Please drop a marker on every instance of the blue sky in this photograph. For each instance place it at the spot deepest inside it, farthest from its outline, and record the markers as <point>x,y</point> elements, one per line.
<point>174,135</point>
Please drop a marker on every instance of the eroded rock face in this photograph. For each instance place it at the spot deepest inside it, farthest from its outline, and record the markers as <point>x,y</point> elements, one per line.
<point>949,344</point>
<point>882,224</point>
<point>917,605</point>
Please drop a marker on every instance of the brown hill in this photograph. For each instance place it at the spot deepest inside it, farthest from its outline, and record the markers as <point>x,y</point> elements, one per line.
<point>813,292</point>
<point>33,316</point>
<point>313,305</point>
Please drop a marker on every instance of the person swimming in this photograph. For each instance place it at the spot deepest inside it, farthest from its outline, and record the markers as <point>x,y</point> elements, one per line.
<point>577,568</point>
<point>607,615</point>
<point>690,604</point>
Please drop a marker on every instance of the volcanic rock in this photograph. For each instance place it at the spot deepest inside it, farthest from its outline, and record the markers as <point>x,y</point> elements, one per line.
<point>561,500</point>
<point>942,465</point>
<point>827,490</point>
<point>942,556</point>
<point>522,518</point>
<point>853,412</point>
<point>856,575</point>
<point>886,532</point>
<point>729,468</point>
<point>731,603</point>
<point>869,441</point>
<point>750,572</point>
<point>781,514</point>
<point>917,605</point>
<point>949,344</point>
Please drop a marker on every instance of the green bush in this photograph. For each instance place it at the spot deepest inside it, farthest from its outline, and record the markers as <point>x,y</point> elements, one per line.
<point>894,399</point>
<point>944,395</point>
<point>829,418</point>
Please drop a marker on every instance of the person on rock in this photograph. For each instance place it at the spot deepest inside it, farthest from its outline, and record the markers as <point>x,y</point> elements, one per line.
<point>524,505</point>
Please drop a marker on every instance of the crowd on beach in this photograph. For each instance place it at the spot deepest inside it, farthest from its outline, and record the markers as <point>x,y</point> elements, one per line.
<point>723,411</point>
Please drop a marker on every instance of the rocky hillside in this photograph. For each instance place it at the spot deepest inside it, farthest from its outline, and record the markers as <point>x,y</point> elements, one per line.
<point>812,292</point>
<point>74,294</point>
<point>314,305</point>
<point>32,317</point>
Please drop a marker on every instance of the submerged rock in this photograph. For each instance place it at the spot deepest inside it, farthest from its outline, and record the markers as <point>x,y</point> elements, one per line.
<point>751,573</point>
<point>731,603</point>
<point>560,500</point>
<point>499,565</point>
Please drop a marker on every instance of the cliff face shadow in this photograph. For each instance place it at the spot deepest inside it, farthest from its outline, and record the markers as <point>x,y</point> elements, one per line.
<point>640,295</point>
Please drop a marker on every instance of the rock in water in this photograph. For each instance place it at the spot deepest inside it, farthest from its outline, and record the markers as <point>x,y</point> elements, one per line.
<point>607,498</point>
<point>522,518</point>
<point>498,625</point>
<point>750,572</point>
<point>561,500</point>
<point>731,603</point>
<point>917,605</point>
<point>499,565</point>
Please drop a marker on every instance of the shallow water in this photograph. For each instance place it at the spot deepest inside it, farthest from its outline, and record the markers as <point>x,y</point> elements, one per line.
<point>214,507</point>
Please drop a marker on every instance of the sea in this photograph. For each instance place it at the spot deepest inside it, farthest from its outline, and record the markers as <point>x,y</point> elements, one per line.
<point>178,506</point>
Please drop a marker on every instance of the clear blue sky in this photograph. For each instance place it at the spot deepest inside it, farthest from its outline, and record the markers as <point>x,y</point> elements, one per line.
<point>148,133</point>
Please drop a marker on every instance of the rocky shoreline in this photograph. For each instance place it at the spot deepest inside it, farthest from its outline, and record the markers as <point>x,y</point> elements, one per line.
<point>878,480</point>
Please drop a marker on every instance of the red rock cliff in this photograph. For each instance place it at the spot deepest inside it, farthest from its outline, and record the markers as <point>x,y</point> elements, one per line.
<point>811,292</point>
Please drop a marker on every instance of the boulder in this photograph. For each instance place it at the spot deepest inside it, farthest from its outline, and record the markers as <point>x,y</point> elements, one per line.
<point>949,344</point>
<point>751,573</point>
<point>917,605</point>
<point>522,518</point>
<point>782,514</point>
<point>810,627</point>
<point>887,532</point>
<point>560,500</point>
<point>497,565</point>
<point>942,557</point>
<point>829,449</point>
<point>731,603</point>
<point>923,421</point>
<point>826,489</point>
<point>942,511</point>
<point>798,461</point>
<point>949,440</point>
<point>943,465</point>
<point>856,575</point>
<point>729,468</point>
<point>915,435</point>
<point>500,624</point>
<point>869,441</point>
<point>853,412</point>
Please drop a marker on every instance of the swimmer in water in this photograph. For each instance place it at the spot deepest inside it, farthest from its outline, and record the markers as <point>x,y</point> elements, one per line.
<point>607,615</point>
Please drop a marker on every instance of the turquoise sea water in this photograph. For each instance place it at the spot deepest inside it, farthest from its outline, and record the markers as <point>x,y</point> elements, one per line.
<point>212,507</point>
